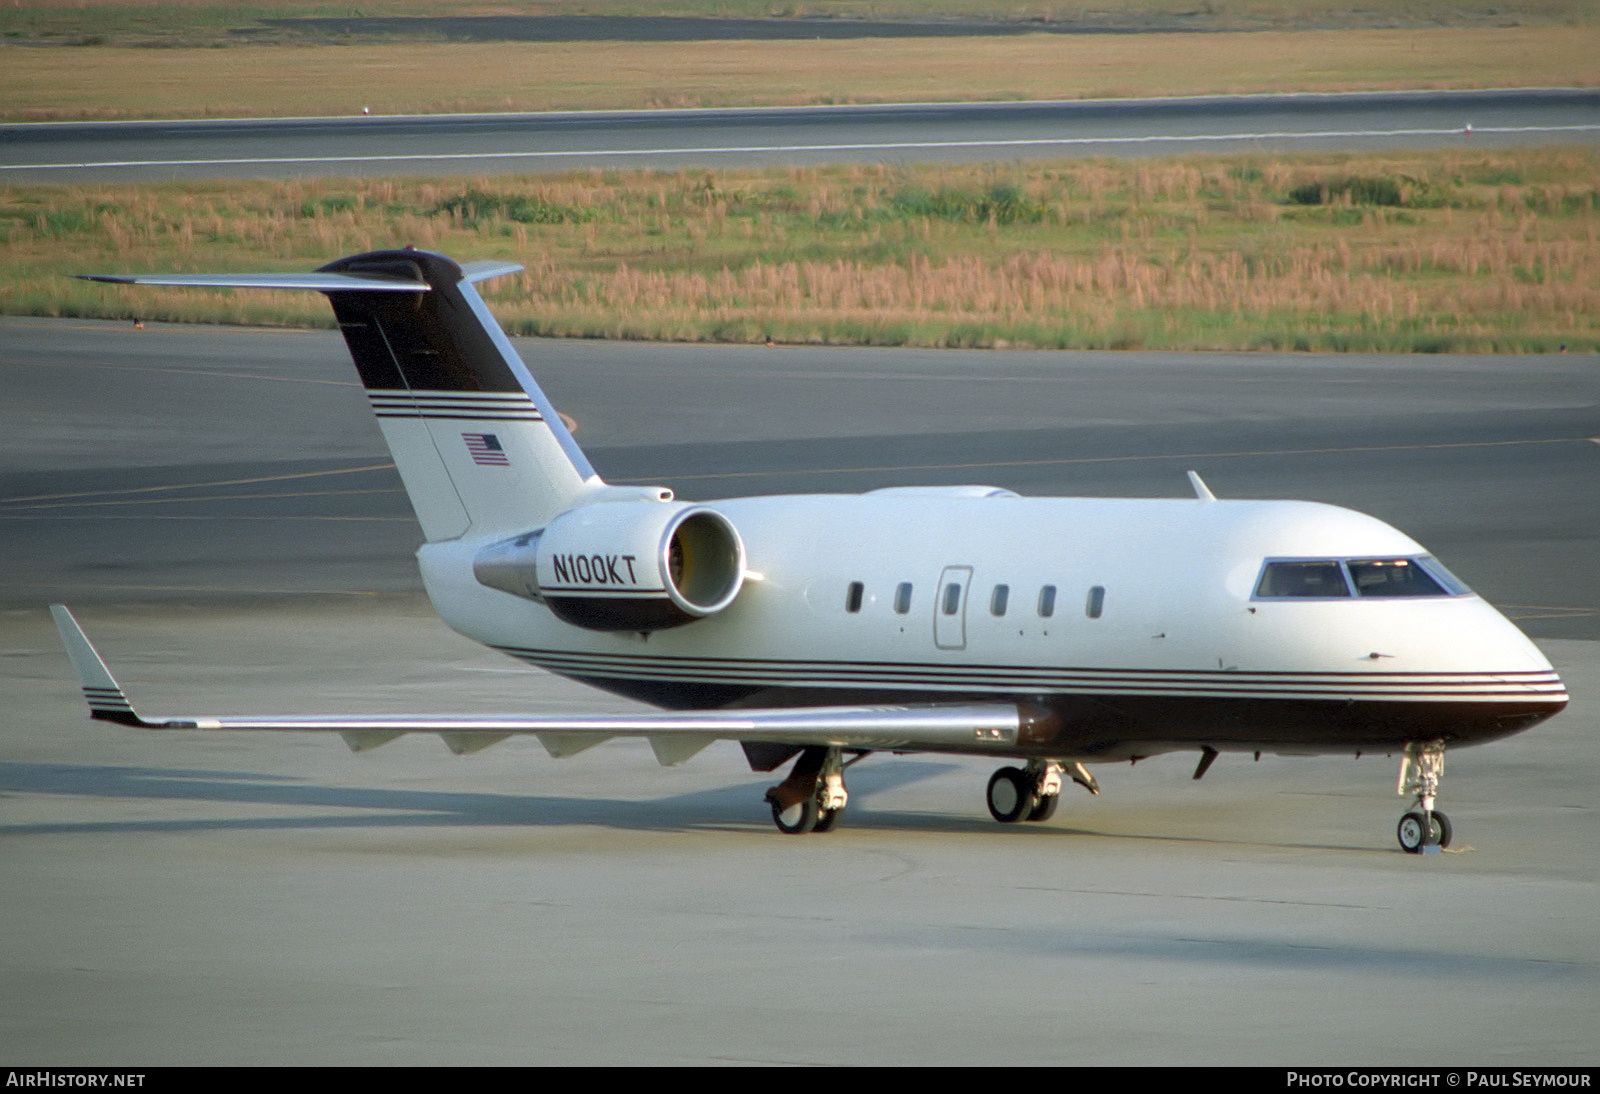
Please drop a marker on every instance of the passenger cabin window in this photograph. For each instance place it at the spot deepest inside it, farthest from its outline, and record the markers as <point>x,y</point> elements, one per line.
<point>902,598</point>
<point>1047,602</point>
<point>998,598</point>
<point>952,598</point>
<point>852,597</point>
<point>1096,603</point>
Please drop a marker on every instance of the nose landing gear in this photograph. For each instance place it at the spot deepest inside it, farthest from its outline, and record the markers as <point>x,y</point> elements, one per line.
<point>1423,829</point>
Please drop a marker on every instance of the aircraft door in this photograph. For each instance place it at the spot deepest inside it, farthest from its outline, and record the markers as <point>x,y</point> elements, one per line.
<point>950,608</point>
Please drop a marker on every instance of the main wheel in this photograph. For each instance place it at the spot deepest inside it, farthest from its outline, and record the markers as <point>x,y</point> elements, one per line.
<point>796,819</point>
<point>828,820</point>
<point>1413,832</point>
<point>1010,795</point>
<point>1046,808</point>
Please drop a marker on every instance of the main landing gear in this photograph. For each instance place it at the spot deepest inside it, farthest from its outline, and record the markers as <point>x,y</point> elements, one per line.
<point>1423,829</point>
<point>1032,794</point>
<point>813,797</point>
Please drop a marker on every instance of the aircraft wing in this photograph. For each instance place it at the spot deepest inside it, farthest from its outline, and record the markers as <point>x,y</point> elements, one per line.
<point>674,735</point>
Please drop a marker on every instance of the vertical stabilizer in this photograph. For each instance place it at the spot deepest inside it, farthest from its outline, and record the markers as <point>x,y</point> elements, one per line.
<point>477,444</point>
<point>479,447</point>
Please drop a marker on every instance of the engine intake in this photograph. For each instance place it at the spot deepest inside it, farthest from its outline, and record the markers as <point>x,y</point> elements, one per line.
<point>623,566</point>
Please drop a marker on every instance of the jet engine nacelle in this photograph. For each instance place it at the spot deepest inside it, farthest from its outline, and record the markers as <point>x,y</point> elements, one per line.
<point>623,566</point>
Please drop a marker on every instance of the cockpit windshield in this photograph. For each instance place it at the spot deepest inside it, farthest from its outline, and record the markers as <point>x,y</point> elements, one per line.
<point>1318,579</point>
<point>1392,577</point>
<point>1342,578</point>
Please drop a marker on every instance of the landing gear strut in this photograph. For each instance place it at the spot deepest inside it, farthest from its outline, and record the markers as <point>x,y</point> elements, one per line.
<point>1016,794</point>
<point>813,797</point>
<point>1424,828</point>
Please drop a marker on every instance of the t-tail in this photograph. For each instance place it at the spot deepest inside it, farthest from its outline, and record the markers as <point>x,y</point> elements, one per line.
<point>477,444</point>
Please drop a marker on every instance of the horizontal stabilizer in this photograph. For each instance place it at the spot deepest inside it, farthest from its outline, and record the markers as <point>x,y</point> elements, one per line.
<point>319,282</point>
<point>354,281</point>
<point>483,270</point>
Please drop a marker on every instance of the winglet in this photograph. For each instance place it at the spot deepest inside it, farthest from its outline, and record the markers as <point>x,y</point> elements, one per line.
<point>107,701</point>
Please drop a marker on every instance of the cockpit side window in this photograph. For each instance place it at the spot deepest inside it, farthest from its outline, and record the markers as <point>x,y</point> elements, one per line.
<point>1319,579</point>
<point>1436,569</point>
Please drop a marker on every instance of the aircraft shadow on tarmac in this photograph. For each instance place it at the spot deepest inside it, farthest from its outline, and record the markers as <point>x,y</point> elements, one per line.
<point>404,808</point>
<point>1233,950</point>
<point>734,808</point>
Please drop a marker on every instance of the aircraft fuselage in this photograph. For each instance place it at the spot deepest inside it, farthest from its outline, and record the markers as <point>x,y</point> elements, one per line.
<point>1129,626</point>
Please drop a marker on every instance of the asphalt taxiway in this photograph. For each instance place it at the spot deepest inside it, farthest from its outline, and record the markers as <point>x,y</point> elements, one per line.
<point>219,507</point>
<point>479,144</point>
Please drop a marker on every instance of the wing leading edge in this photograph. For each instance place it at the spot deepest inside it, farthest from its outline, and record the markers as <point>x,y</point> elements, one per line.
<point>675,736</point>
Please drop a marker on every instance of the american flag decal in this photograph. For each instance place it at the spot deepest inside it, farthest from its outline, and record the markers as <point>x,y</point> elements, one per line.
<point>486,450</point>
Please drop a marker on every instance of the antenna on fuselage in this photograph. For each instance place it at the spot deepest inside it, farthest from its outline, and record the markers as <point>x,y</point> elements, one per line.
<point>1201,491</point>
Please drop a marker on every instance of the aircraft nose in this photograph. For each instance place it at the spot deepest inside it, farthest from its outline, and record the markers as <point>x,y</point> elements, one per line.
<point>1537,675</point>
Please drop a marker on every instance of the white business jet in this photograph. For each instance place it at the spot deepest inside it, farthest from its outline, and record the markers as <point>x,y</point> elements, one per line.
<point>1050,632</point>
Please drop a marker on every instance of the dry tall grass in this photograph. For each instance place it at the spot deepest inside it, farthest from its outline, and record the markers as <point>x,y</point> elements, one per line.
<point>252,81</point>
<point>1491,251</point>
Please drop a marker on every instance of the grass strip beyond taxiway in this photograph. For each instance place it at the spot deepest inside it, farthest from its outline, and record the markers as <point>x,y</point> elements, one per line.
<point>1477,251</point>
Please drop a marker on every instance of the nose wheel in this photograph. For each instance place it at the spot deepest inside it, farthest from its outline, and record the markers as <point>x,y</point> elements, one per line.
<point>1424,827</point>
<point>1418,831</point>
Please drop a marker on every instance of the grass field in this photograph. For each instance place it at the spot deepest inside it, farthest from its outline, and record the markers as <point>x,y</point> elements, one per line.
<point>274,81</point>
<point>1465,251</point>
<point>212,22</point>
<point>201,68</point>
